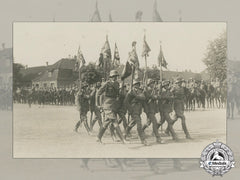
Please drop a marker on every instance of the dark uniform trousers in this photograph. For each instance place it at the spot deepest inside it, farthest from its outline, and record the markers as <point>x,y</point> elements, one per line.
<point>165,103</point>
<point>179,110</point>
<point>83,107</point>
<point>113,124</point>
<point>150,108</point>
<point>122,118</point>
<point>83,119</point>
<point>166,117</point>
<point>136,119</point>
<point>98,117</point>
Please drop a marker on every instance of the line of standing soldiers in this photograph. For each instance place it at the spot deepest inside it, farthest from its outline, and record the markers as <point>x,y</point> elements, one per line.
<point>109,101</point>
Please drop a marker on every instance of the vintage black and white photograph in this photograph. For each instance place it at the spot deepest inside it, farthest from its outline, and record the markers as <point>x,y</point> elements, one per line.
<point>118,90</point>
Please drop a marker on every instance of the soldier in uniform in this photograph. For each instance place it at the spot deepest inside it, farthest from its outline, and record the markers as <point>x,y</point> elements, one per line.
<point>111,90</point>
<point>94,108</point>
<point>166,99</point>
<point>82,102</point>
<point>135,99</point>
<point>178,92</point>
<point>150,106</point>
<point>122,110</point>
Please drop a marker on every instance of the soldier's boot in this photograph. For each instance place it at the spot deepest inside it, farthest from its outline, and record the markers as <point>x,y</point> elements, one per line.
<point>144,142</point>
<point>160,141</point>
<point>127,132</point>
<point>100,134</point>
<point>92,124</point>
<point>167,132</point>
<point>87,127</point>
<point>113,135</point>
<point>77,126</point>
<point>184,127</point>
<point>173,133</point>
<point>120,135</point>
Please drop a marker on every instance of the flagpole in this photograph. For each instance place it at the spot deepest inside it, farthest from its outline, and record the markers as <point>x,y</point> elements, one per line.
<point>132,76</point>
<point>79,74</point>
<point>145,74</point>
<point>160,65</point>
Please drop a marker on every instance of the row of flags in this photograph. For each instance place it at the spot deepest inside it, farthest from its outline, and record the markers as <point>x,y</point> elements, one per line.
<point>132,65</point>
<point>138,17</point>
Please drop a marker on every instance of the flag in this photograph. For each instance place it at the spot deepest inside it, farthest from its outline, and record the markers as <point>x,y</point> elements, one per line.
<point>100,62</point>
<point>106,50</point>
<point>132,64</point>
<point>127,71</point>
<point>80,59</point>
<point>156,15</point>
<point>161,59</point>
<point>96,15</point>
<point>146,48</point>
<point>133,57</point>
<point>116,57</point>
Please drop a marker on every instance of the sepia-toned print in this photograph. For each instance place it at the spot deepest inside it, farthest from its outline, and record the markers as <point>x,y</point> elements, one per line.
<point>118,90</point>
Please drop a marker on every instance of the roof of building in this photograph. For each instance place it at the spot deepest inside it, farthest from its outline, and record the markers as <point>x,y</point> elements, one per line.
<point>41,72</point>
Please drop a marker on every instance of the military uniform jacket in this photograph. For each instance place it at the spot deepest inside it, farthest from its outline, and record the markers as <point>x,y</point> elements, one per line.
<point>82,101</point>
<point>179,94</point>
<point>150,105</point>
<point>111,93</point>
<point>166,101</point>
<point>92,100</point>
<point>135,102</point>
<point>122,107</point>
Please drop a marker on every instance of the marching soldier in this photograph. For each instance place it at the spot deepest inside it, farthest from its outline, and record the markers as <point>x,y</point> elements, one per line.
<point>82,102</point>
<point>178,92</point>
<point>150,108</point>
<point>135,100</point>
<point>122,110</point>
<point>111,89</point>
<point>166,99</point>
<point>94,108</point>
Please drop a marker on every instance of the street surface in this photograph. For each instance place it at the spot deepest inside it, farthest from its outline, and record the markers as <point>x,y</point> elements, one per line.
<point>48,133</point>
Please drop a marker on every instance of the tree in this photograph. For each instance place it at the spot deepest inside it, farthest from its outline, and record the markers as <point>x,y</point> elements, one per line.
<point>216,57</point>
<point>17,76</point>
<point>91,74</point>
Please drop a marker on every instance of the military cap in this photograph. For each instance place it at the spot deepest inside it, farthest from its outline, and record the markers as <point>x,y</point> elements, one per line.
<point>150,81</point>
<point>113,73</point>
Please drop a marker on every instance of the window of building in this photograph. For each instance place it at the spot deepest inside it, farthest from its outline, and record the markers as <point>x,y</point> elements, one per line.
<point>49,74</point>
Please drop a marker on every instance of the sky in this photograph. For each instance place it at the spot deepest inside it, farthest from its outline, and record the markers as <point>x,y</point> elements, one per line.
<point>123,10</point>
<point>183,44</point>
